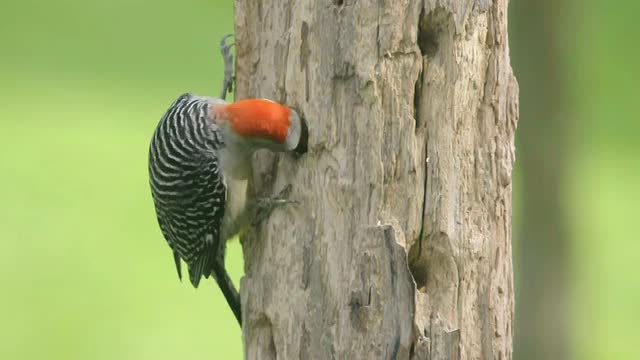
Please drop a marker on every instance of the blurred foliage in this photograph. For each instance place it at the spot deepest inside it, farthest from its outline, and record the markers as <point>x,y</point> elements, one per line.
<point>85,272</point>
<point>601,191</point>
<point>84,269</point>
<point>604,186</point>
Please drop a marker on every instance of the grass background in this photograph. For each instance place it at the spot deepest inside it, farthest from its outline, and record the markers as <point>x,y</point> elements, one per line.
<point>84,270</point>
<point>604,185</point>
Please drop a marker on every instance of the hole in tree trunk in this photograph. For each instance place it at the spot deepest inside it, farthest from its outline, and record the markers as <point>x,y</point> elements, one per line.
<point>417,266</point>
<point>302,146</point>
<point>432,26</point>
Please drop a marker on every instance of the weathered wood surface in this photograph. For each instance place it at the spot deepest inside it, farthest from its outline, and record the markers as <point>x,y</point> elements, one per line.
<point>400,246</point>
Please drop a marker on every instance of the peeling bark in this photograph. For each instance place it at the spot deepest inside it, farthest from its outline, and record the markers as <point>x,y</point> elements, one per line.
<point>400,247</point>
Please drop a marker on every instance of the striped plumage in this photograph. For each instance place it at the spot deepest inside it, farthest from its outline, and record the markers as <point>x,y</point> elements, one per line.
<point>199,164</point>
<point>187,184</point>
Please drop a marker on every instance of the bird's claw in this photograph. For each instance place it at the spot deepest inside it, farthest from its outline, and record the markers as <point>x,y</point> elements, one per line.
<point>227,56</point>
<point>265,206</point>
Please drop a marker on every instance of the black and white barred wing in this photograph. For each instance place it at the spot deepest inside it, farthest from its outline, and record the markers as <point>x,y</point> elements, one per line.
<point>191,225</point>
<point>187,188</point>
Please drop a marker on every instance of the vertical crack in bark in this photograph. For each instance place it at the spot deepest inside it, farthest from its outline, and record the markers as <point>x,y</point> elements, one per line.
<point>389,240</point>
<point>305,52</point>
<point>417,96</point>
<point>307,262</point>
<point>415,252</point>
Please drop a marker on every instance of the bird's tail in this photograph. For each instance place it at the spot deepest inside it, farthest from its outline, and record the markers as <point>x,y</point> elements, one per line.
<point>199,268</point>
<point>228,290</point>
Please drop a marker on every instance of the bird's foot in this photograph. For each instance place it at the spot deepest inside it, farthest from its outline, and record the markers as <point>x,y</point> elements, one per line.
<point>227,56</point>
<point>264,206</point>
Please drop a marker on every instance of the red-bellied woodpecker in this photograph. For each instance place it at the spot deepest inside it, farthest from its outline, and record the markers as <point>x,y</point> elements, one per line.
<point>199,164</point>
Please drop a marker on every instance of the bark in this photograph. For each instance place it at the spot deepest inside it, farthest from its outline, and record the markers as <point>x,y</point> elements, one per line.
<point>542,247</point>
<point>400,246</point>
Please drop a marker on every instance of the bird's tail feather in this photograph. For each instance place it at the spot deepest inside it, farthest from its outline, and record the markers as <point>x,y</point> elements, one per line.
<point>176,258</point>
<point>199,268</point>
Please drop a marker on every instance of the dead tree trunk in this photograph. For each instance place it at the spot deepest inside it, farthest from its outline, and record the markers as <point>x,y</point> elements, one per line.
<point>400,247</point>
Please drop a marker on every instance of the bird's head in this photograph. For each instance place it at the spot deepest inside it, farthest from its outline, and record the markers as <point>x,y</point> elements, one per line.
<point>261,123</point>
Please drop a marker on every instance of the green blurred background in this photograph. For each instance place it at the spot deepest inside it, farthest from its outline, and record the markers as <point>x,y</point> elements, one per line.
<point>84,269</point>
<point>85,273</point>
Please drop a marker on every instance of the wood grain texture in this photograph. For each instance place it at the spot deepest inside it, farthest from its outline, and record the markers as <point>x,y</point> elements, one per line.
<point>400,246</point>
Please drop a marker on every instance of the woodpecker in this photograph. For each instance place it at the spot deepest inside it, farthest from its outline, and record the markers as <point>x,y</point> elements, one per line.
<point>199,164</point>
